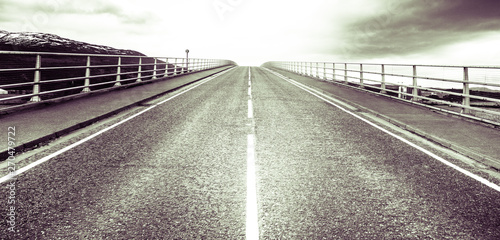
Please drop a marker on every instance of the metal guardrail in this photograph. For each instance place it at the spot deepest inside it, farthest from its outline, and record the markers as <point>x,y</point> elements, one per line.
<point>471,91</point>
<point>38,76</point>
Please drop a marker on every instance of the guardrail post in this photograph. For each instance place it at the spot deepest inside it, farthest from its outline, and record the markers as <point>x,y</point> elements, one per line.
<point>87,75</point>
<point>345,74</point>
<point>317,70</point>
<point>36,86</point>
<point>383,81</point>
<point>333,72</point>
<point>361,80</point>
<point>139,71</point>
<point>310,69</point>
<point>324,70</point>
<point>118,72</point>
<point>155,68</point>
<point>165,74</point>
<point>415,84</point>
<point>466,92</point>
<point>185,66</point>
<point>182,63</point>
<point>175,66</point>
<point>400,89</point>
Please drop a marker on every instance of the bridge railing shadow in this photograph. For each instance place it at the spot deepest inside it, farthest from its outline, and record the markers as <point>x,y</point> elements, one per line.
<point>469,91</point>
<point>32,77</point>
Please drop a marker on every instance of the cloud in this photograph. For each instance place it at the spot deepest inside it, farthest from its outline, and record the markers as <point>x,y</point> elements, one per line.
<point>413,26</point>
<point>95,8</point>
<point>38,16</point>
<point>260,29</point>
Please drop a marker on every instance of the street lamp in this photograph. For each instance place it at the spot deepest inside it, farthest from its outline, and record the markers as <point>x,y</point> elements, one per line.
<point>187,60</point>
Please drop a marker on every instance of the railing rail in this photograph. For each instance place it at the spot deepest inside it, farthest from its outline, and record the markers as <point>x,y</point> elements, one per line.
<point>471,91</point>
<point>37,76</point>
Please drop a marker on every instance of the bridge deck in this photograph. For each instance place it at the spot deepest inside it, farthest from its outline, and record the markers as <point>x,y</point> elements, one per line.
<point>248,154</point>
<point>42,124</point>
<point>472,139</point>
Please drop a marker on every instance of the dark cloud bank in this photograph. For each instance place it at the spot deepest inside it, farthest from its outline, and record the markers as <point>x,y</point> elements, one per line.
<point>414,26</point>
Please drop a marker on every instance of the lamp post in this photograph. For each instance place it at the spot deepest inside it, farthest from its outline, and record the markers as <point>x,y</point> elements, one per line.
<point>187,60</point>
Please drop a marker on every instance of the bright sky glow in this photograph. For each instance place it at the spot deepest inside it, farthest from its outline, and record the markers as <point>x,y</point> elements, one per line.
<point>252,32</point>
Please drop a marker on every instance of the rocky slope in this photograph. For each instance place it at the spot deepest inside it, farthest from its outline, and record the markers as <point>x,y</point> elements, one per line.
<point>43,42</point>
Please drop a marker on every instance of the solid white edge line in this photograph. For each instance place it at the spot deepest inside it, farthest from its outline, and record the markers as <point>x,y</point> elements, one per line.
<point>442,160</point>
<point>50,156</point>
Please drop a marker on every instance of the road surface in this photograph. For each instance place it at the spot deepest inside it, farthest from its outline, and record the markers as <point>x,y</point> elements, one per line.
<point>247,155</point>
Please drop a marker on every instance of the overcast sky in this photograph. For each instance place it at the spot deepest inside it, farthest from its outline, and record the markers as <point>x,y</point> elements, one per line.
<point>251,32</point>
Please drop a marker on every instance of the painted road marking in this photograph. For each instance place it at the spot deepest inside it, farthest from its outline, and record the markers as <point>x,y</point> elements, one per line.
<point>250,108</point>
<point>48,157</point>
<point>252,225</point>
<point>442,160</point>
<point>252,222</point>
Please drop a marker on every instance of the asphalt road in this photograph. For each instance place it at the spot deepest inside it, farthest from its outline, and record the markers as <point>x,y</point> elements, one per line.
<point>181,171</point>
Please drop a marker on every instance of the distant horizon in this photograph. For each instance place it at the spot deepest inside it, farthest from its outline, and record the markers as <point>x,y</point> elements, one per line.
<point>312,60</point>
<point>446,32</point>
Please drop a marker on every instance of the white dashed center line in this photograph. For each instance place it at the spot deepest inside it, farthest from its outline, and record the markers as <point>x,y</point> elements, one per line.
<point>252,225</point>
